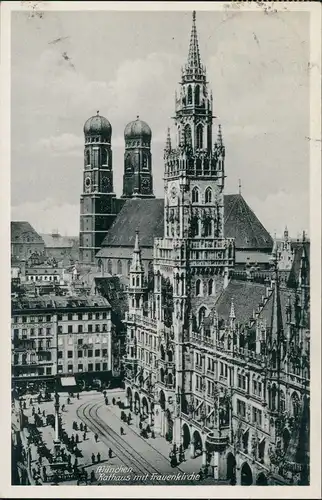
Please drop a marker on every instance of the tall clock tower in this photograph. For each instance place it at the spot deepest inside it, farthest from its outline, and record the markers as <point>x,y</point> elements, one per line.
<point>97,203</point>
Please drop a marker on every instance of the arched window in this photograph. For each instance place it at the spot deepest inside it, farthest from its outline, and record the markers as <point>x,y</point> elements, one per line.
<point>274,359</point>
<point>198,288</point>
<point>119,267</point>
<point>282,402</point>
<point>162,353</point>
<point>187,136</point>
<point>295,404</point>
<point>170,356</point>
<point>170,379</point>
<point>197,95</point>
<point>208,227</point>
<point>199,136</point>
<point>189,95</point>
<point>162,375</point>
<point>210,287</point>
<point>109,266</point>
<point>104,156</point>
<point>195,195</point>
<point>128,266</point>
<point>208,195</point>
<point>201,314</point>
<point>88,157</point>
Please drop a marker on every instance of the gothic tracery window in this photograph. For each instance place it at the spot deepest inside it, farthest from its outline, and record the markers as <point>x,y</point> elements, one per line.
<point>199,136</point>
<point>189,95</point>
<point>187,136</point>
<point>119,267</point>
<point>208,195</point>
<point>210,287</point>
<point>195,195</point>
<point>88,157</point>
<point>197,95</point>
<point>109,266</point>
<point>104,156</point>
<point>198,287</point>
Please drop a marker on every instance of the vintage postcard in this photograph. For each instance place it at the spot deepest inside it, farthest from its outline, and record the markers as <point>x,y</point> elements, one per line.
<point>161,273</point>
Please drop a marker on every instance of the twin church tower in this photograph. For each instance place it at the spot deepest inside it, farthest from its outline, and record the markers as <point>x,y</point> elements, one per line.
<point>194,160</point>
<point>99,205</point>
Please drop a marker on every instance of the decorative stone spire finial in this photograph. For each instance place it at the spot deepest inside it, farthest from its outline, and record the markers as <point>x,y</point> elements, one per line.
<point>232,310</point>
<point>194,55</point>
<point>168,141</point>
<point>219,136</point>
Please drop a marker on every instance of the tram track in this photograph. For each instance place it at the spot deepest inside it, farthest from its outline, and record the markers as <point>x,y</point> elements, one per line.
<point>126,453</point>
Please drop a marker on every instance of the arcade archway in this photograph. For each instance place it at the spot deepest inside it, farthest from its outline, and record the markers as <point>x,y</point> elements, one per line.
<point>162,400</point>
<point>137,404</point>
<point>261,479</point>
<point>145,406</point>
<point>198,443</point>
<point>129,396</point>
<point>231,468</point>
<point>186,436</point>
<point>246,475</point>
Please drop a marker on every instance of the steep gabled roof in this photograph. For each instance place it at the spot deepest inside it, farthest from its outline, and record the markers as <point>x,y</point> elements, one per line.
<point>147,216</point>
<point>144,215</point>
<point>298,248</point>
<point>242,224</point>
<point>19,228</point>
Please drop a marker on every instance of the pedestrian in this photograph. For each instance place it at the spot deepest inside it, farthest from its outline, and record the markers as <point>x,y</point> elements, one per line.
<point>73,439</point>
<point>110,453</point>
<point>76,426</point>
<point>62,407</point>
<point>78,395</point>
<point>24,405</point>
<point>140,426</point>
<point>113,401</point>
<point>76,462</point>
<point>84,436</point>
<point>93,458</point>
<point>69,458</point>
<point>106,401</point>
<point>31,402</point>
<point>43,413</point>
<point>121,431</point>
<point>92,477</point>
<point>33,410</point>
<point>77,438</point>
<point>40,459</point>
<point>81,426</point>
<point>68,400</point>
<point>85,427</point>
<point>98,457</point>
<point>200,475</point>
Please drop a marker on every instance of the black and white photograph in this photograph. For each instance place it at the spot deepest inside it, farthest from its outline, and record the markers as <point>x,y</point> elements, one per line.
<point>164,249</point>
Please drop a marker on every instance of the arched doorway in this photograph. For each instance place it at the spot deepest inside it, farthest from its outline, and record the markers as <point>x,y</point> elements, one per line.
<point>198,443</point>
<point>231,468</point>
<point>137,402</point>
<point>129,396</point>
<point>186,436</point>
<point>261,479</point>
<point>246,475</point>
<point>162,400</point>
<point>145,406</point>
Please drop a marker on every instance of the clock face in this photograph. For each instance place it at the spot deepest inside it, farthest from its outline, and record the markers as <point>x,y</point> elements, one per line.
<point>87,183</point>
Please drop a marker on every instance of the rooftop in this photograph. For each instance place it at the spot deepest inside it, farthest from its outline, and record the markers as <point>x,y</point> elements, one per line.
<point>56,302</point>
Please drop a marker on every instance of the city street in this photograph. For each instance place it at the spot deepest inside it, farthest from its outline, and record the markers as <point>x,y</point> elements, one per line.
<point>135,460</point>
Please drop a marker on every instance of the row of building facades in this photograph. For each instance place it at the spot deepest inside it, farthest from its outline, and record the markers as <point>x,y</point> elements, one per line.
<point>217,359</point>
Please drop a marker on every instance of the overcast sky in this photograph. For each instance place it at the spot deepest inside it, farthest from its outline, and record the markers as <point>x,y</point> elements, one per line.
<point>128,64</point>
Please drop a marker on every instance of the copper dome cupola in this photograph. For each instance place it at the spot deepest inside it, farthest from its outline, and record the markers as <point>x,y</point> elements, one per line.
<point>138,130</point>
<point>98,129</point>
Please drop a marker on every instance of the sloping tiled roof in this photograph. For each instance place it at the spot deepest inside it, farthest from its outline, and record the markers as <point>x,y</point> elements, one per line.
<point>144,215</point>
<point>242,224</point>
<point>58,241</point>
<point>295,269</point>
<point>147,215</point>
<point>18,228</point>
<point>245,295</point>
<point>55,302</point>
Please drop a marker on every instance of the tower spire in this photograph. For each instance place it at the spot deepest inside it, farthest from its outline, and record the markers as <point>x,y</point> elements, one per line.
<point>277,322</point>
<point>136,265</point>
<point>194,55</point>
<point>168,141</point>
<point>219,136</point>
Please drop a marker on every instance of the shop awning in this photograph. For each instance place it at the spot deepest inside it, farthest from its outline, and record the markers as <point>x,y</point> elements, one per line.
<point>67,381</point>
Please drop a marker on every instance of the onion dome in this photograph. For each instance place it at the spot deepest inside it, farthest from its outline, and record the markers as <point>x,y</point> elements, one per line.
<point>137,129</point>
<point>98,126</point>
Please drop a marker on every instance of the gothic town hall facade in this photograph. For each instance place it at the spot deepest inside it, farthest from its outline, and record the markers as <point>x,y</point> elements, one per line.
<point>235,391</point>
